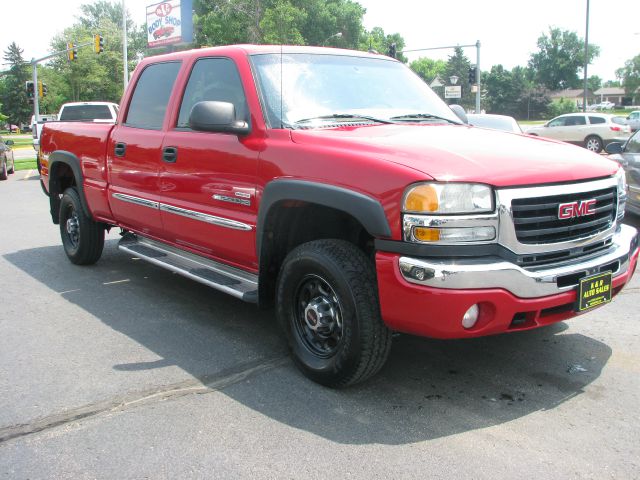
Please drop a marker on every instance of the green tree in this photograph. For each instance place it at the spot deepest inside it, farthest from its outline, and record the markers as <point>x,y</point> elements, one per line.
<point>512,93</point>
<point>282,23</point>
<point>376,39</point>
<point>14,95</point>
<point>559,59</point>
<point>429,69</point>
<point>594,82</point>
<point>93,77</point>
<point>629,76</point>
<point>306,22</point>
<point>458,66</point>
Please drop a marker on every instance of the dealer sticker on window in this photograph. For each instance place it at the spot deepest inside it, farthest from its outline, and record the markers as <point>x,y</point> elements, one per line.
<point>594,291</point>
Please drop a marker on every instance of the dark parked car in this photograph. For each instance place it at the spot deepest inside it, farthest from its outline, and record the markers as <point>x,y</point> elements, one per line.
<point>6,158</point>
<point>628,155</point>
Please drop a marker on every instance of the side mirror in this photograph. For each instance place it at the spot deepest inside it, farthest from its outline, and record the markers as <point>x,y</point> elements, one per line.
<point>614,147</point>
<point>460,113</point>
<point>220,117</point>
<point>8,142</point>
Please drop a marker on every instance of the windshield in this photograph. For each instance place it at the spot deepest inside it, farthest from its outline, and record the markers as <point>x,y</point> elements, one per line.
<point>321,89</point>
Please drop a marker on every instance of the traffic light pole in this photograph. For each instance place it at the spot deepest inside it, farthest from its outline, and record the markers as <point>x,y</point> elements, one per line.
<point>478,73</point>
<point>34,64</point>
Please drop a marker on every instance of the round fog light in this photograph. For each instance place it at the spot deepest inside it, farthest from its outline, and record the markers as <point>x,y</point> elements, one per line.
<point>470,317</point>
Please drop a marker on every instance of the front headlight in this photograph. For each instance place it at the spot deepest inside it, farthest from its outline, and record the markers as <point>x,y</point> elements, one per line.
<point>448,198</point>
<point>621,179</point>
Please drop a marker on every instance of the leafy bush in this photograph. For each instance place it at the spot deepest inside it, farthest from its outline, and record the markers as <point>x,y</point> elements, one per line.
<point>562,106</point>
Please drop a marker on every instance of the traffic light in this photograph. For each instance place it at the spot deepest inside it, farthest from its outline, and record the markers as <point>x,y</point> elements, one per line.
<point>98,43</point>
<point>472,75</point>
<point>73,51</point>
<point>42,89</point>
<point>392,50</point>
<point>29,87</point>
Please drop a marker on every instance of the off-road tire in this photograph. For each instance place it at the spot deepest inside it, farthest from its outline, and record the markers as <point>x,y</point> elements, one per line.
<point>83,246</point>
<point>365,340</point>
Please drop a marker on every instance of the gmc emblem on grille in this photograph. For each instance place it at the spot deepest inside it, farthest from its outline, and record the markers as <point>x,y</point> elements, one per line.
<point>576,209</point>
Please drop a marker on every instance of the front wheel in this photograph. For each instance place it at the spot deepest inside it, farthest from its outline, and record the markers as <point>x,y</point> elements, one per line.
<point>82,238</point>
<point>327,305</point>
<point>3,171</point>
<point>593,144</point>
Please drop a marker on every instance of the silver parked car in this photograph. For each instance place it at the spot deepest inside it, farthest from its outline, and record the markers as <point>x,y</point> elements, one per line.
<point>593,131</point>
<point>495,122</point>
<point>628,155</point>
<point>634,120</point>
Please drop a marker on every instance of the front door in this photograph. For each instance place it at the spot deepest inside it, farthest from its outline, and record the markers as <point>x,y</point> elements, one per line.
<point>207,180</point>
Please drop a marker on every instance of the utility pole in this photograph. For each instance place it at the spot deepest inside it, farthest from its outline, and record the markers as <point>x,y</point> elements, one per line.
<point>478,75</point>
<point>586,60</point>
<point>125,62</point>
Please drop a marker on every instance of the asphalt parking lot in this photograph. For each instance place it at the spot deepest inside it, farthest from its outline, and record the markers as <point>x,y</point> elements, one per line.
<point>124,370</point>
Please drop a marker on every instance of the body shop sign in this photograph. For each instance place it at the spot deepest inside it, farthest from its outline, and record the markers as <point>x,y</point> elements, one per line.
<point>169,23</point>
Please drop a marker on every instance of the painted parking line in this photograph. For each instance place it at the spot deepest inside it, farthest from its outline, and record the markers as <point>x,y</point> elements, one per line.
<point>30,173</point>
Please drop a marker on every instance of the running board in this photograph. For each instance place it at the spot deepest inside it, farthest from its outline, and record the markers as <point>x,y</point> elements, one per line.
<point>222,277</point>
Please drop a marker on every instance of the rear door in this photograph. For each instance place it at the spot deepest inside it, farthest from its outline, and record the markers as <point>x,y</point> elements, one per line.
<point>208,179</point>
<point>133,151</point>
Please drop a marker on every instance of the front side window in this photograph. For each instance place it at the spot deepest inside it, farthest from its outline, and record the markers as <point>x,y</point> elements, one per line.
<point>558,122</point>
<point>300,86</point>
<point>150,98</point>
<point>213,79</point>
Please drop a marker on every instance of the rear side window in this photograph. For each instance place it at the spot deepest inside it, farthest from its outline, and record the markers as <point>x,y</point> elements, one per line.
<point>213,79</point>
<point>73,113</point>
<point>595,120</point>
<point>151,96</point>
<point>619,120</point>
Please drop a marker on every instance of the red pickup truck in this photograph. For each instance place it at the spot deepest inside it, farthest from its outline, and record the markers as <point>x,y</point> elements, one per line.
<point>337,186</point>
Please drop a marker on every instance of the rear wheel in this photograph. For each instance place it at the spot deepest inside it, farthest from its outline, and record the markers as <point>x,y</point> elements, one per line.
<point>82,238</point>
<point>593,143</point>
<point>327,305</point>
<point>13,167</point>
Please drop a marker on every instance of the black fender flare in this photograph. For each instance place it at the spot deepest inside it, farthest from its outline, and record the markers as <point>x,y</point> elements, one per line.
<point>367,210</point>
<point>63,157</point>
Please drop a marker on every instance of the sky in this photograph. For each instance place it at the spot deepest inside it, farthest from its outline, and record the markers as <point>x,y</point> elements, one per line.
<point>507,29</point>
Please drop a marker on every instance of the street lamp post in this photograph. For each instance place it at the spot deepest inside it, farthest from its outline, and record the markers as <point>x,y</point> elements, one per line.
<point>335,35</point>
<point>125,61</point>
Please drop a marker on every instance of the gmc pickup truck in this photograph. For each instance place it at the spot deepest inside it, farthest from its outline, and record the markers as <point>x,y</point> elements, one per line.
<point>338,187</point>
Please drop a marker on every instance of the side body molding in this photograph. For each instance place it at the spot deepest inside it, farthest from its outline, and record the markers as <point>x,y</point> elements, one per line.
<point>363,208</point>
<point>56,160</point>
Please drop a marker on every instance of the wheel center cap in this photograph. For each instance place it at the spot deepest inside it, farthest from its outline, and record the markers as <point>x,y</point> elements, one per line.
<point>320,316</point>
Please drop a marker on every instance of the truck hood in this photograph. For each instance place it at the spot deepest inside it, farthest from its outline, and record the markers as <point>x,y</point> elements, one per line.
<point>464,153</point>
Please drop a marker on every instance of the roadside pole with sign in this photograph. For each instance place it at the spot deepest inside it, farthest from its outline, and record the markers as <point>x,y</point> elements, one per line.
<point>169,23</point>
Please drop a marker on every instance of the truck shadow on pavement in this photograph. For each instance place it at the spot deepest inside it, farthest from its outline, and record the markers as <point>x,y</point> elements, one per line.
<point>428,389</point>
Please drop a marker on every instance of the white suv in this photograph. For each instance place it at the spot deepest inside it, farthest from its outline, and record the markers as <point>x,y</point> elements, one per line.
<point>591,130</point>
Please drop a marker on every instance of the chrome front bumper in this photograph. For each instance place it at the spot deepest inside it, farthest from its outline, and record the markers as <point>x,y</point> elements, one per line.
<point>494,272</point>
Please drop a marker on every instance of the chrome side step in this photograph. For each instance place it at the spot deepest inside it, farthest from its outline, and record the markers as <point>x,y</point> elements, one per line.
<point>240,284</point>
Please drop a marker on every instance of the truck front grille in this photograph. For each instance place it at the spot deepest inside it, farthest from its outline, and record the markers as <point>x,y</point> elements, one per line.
<point>536,219</point>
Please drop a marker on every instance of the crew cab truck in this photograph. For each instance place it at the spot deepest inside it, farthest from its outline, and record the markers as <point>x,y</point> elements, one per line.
<point>336,185</point>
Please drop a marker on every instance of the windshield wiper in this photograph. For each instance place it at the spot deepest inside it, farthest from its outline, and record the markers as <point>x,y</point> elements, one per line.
<point>424,116</point>
<point>341,116</point>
